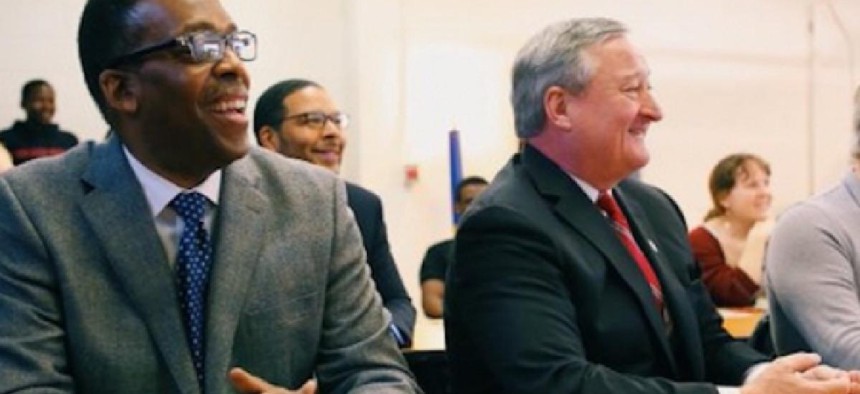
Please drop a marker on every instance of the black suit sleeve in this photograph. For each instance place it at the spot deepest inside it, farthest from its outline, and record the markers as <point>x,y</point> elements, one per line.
<point>511,324</point>
<point>367,208</point>
<point>388,281</point>
<point>727,360</point>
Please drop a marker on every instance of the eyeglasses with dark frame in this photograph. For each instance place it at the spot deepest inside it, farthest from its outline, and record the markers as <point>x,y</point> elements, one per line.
<point>202,46</point>
<point>317,119</point>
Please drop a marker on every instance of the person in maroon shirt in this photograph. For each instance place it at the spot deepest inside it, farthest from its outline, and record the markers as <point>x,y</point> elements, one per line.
<point>729,245</point>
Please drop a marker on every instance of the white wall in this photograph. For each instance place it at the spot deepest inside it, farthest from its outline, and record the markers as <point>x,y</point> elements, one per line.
<point>731,75</point>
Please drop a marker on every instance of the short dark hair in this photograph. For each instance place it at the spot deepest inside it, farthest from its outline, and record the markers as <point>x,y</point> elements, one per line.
<point>30,88</point>
<point>269,110</point>
<point>107,30</point>
<point>468,181</point>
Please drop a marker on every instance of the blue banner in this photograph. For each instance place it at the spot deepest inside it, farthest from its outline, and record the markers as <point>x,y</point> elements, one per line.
<point>456,169</point>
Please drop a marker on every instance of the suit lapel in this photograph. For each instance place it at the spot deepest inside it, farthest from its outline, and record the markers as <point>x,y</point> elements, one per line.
<point>592,225</point>
<point>120,217</point>
<point>238,240</point>
<point>683,316</point>
<point>575,208</point>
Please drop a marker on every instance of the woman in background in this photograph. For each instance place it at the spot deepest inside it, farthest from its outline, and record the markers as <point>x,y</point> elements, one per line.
<point>729,245</point>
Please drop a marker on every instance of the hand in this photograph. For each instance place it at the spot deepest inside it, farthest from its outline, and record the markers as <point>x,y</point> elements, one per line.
<point>822,373</point>
<point>801,373</point>
<point>752,256</point>
<point>760,231</point>
<point>246,383</point>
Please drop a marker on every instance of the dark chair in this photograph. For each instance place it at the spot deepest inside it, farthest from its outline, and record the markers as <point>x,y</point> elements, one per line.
<point>431,370</point>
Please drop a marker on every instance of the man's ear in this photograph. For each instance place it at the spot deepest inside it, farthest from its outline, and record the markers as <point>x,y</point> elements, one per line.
<point>269,138</point>
<point>121,90</point>
<point>555,107</point>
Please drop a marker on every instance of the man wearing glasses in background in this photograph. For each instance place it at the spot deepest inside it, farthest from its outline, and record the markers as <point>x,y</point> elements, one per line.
<point>297,118</point>
<point>167,257</point>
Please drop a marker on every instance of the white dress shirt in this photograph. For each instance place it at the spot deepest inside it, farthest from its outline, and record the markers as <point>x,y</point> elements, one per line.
<point>160,192</point>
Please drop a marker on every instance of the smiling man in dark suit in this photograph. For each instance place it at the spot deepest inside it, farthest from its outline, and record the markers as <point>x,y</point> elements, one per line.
<point>298,118</point>
<point>571,278</point>
<point>168,256</point>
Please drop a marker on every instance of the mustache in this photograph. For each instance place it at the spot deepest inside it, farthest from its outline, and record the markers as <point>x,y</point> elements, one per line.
<point>228,89</point>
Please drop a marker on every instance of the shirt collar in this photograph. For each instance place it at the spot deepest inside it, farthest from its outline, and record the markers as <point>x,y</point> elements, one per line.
<point>159,191</point>
<point>589,190</point>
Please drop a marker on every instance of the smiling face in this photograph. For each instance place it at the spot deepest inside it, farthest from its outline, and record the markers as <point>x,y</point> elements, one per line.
<point>189,118</point>
<point>609,118</point>
<point>39,104</point>
<point>307,141</point>
<point>750,197</point>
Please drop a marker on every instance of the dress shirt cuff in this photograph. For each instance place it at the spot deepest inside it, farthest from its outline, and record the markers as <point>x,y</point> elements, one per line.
<point>398,336</point>
<point>728,390</point>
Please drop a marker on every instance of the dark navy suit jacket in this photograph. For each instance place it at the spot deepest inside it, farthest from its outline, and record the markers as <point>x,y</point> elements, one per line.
<point>543,297</point>
<point>367,208</point>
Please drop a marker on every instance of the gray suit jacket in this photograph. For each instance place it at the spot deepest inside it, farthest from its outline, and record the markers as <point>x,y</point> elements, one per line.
<point>813,276</point>
<point>88,301</point>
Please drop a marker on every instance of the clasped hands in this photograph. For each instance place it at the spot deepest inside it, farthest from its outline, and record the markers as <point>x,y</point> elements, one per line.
<point>802,373</point>
<point>246,383</point>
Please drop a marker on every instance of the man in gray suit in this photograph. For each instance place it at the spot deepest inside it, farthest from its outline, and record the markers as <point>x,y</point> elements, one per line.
<point>167,257</point>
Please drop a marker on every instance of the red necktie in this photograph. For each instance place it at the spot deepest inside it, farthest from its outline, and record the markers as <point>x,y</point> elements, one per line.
<point>622,228</point>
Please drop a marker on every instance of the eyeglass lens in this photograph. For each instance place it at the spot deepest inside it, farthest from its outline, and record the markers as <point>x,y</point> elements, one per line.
<point>210,46</point>
<point>317,120</point>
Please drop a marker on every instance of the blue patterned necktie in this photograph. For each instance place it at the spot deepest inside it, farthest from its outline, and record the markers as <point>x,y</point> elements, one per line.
<point>193,262</point>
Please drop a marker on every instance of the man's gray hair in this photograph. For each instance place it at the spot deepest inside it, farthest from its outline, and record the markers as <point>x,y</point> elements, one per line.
<point>555,57</point>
